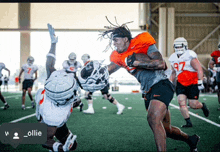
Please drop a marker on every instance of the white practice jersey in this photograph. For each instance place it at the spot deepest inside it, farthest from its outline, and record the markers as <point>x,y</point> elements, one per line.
<point>2,66</point>
<point>29,71</point>
<point>72,67</point>
<point>183,62</point>
<point>51,113</point>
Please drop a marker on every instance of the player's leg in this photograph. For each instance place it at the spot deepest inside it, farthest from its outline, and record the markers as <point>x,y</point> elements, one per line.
<point>111,99</point>
<point>193,96</point>
<point>218,93</point>
<point>182,100</point>
<point>90,109</point>
<point>31,97</point>
<point>62,134</point>
<point>6,106</point>
<point>23,98</point>
<point>176,134</point>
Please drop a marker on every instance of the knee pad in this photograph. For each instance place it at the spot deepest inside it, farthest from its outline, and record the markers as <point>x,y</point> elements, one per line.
<point>110,98</point>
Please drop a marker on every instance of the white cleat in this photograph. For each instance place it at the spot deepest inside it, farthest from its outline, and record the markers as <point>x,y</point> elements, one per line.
<point>89,111</point>
<point>69,142</point>
<point>120,109</point>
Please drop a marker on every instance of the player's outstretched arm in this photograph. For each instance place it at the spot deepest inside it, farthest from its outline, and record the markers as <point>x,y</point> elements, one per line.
<point>51,56</point>
<point>112,67</point>
<point>173,75</point>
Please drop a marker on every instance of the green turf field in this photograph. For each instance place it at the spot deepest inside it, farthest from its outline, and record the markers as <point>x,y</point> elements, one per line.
<point>106,131</point>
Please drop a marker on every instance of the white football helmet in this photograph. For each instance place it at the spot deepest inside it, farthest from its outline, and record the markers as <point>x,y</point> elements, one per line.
<point>180,45</point>
<point>93,76</point>
<point>85,58</point>
<point>60,87</point>
<point>30,60</point>
<point>72,58</point>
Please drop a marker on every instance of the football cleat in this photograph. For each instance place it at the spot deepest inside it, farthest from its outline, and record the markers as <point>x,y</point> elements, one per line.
<point>23,107</point>
<point>6,106</point>
<point>193,142</point>
<point>187,126</point>
<point>70,143</point>
<point>89,111</point>
<point>205,110</point>
<point>120,109</point>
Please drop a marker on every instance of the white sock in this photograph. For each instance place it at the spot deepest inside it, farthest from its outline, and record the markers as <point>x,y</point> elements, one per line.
<point>90,105</point>
<point>6,103</point>
<point>23,105</point>
<point>118,104</point>
<point>55,146</point>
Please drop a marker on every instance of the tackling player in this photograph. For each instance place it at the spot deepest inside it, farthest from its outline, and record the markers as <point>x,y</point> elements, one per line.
<point>188,71</point>
<point>72,66</point>
<point>54,103</point>
<point>215,63</point>
<point>2,66</point>
<point>156,88</point>
<point>29,69</point>
<point>86,59</point>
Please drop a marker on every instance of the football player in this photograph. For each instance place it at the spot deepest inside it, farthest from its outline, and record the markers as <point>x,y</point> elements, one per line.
<point>156,88</point>
<point>54,103</point>
<point>72,66</point>
<point>6,79</point>
<point>29,70</point>
<point>2,66</point>
<point>214,63</point>
<point>188,71</point>
<point>86,59</point>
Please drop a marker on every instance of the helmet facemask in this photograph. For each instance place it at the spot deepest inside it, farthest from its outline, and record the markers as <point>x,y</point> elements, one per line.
<point>72,58</point>
<point>30,60</point>
<point>180,45</point>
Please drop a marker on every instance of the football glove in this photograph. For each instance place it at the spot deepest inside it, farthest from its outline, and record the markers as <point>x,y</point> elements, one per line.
<point>200,85</point>
<point>53,37</point>
<point>130,60</point>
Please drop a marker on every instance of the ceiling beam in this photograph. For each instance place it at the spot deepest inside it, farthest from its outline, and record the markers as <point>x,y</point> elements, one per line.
<point>156,7</point>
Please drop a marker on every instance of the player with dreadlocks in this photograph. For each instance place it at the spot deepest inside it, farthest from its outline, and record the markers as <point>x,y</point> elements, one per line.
<point>157,90</point>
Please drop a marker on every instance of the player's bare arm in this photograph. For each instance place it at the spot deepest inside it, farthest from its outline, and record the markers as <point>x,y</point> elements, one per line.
<point>19,77</point>
<point>197,66</point>
<point>112,67</point>
<point>155,62</point>
<point>173,75</point>
<point>211,64</point>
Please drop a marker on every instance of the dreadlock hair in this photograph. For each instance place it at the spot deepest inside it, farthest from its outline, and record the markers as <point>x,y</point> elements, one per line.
<point>115,31</point>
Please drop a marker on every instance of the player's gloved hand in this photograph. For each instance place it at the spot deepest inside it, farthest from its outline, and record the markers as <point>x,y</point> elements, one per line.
<point>200,85</point>
<point>19,80</point>
<point>130,60</point>
<point>53,37</point>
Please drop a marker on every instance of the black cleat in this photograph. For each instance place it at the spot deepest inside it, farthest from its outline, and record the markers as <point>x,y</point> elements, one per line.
<point>33,104</point>
<point>187,126</point>
<point>205,110</point>
<point>6,106</point>
<point>193,142</point>
<point>81,107</point>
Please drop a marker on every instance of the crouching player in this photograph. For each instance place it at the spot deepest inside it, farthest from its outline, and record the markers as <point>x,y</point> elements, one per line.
<point>55,103</point>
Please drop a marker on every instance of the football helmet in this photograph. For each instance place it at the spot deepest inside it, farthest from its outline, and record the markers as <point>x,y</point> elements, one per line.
<point>72,58</point>
<point>180,45</point>
<point>93,76</point>
<point>30,60</point>
<point>85,58</point>
<point>60,87</point>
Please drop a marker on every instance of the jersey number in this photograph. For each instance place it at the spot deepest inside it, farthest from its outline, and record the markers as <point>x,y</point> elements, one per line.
<point>72,68</point>
<point>180,66</point>
<point>29,70</point>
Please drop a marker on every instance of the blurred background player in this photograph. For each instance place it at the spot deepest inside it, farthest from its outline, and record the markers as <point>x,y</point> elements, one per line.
<point>212,81</point>
<point>86,59</point>
<point>54,103</point>
<point>188,71</point>
<point>2,66</point>
<point>6,79</point>
<point>29,70</point>
<point>214,63</point>
<point>72,66</point>
<point>16,83</point>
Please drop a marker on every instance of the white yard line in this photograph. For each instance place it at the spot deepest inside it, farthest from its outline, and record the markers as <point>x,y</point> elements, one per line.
<point>22,118</point>
<point>195,115</point>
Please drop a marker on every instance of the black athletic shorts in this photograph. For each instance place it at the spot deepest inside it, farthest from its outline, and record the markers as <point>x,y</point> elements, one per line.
<point>28,83</point>
<point>105,89</point>
<point>5,82</point>
<point>192,91</point>
<point>162,91</point>
<point>0,82</point>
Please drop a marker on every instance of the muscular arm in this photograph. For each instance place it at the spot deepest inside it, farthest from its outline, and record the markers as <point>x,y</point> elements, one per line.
<point>196,65</point>
<point>173,75</point>
<point>50,62</point>
<point>211,64</point>
<point>22,70</point>
<point>112,67</point>
<point>156,62</point>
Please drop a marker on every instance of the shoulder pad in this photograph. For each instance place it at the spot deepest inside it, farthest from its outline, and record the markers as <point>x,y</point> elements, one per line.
<point>192,54</point>
<point>171,58</point>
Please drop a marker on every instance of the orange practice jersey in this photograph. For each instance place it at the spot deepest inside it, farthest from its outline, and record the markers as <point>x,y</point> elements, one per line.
<point>216,56</point>
<point>139,44</point>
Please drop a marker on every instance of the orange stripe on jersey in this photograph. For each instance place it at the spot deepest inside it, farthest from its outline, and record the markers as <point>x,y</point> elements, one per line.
<point>139,44</point>
<point>42,100</point>
<point>71,110</point>
<point>86,63</point>
<point>187,78</point>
